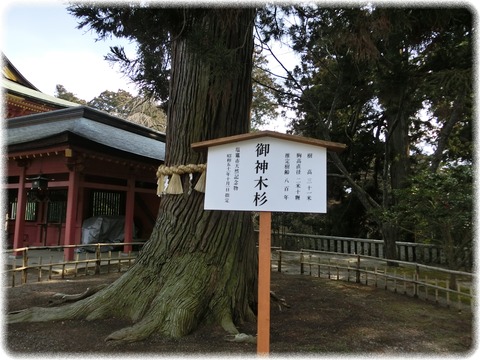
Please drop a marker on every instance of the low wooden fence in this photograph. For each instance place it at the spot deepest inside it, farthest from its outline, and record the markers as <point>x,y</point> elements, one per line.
<point>40,263</point>
<point>418,280</point>
<point>407,251</point>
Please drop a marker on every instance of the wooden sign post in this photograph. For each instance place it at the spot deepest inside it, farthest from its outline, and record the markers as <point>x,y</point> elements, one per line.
<point>263,172</point>
<point>263,316</point>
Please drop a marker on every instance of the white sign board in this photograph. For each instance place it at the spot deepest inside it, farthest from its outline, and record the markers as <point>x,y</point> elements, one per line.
<point>267,174</point>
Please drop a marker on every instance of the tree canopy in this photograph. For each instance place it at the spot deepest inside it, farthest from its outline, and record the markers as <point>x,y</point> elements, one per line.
<point>197,266</point>
<point>395,85</point>
<point>138,109</point>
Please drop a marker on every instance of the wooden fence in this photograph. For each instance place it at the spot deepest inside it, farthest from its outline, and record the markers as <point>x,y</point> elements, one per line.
<point>407,251</point>
<point>38,263</point>
<point>418,280</point>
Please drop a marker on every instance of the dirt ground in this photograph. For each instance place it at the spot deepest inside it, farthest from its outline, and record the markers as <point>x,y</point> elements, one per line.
<point>325,318</point>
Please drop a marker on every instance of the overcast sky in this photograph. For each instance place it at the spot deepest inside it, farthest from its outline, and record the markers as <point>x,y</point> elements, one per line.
<point>41,40</point>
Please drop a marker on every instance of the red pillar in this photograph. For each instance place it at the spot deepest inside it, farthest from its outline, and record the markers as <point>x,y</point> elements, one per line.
<point>129,213</point>
<point>71,215</point>
<point>20,215</point>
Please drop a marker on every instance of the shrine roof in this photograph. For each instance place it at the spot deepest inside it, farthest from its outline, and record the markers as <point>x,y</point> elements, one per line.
<point>93,125</point>
<point>332,146</point>
<point>11,72</point>
<point>23,91</point>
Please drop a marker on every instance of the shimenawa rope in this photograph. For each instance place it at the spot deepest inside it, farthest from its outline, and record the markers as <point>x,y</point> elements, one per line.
<point>169,181</point>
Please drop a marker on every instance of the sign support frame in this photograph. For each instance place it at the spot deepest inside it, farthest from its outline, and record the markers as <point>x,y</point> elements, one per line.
<point>265,233</point>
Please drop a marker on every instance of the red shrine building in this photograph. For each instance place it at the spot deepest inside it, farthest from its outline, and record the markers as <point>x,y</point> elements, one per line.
<point>66,163</point>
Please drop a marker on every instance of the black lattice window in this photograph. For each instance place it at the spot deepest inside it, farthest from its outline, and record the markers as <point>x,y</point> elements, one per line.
<point>30,210</point>
<point>108,203</point>
<point>57,206</point>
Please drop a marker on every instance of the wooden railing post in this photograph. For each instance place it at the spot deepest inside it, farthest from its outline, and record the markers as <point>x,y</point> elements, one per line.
<point>301,263</point>
<point>98,255</point>
<point>357,280</point>
<point>14,267</point>
<point>279,267</point>
<point>415,284</point>
<point>310,264</point>
<point>25,266</point>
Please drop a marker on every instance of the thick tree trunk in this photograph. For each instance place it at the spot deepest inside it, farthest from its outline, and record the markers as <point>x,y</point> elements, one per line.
<point>396,160</point>
<point>198,266</point>
<point>390,236</point>
<point>446,130</point>
<point>397,102</point>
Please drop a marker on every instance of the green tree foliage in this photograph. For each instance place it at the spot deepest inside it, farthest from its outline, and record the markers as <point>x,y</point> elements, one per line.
<point>151,69</point>
<point>115,103</point>
<point>264,101</point>
<point>437,208</point>
<point>62,93</point>
<point>366,75</point>
<point>198,266</point>
<point>138,109</point>
<point>390,83</point>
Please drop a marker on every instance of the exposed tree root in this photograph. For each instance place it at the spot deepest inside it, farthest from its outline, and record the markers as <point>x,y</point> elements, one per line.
<point>278,300</point>
<point>174,307</point>
<point>174,285</point>
<point>38,314</point>
<point>228,325</point>
<point>95,303</point>
<point>137,332</point>
<point>60,298</point>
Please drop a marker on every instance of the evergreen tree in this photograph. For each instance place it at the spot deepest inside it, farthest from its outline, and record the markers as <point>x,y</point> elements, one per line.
<point>62,93</point>
<point>264,101</point>
<point>366,75</point>
<point>198,266</point>
<point>138,109</point>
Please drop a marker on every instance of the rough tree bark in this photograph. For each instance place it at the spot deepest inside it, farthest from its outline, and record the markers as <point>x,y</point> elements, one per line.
<point>198,266</point>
